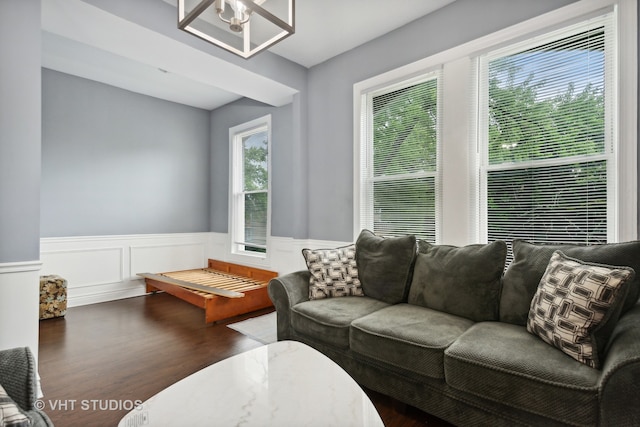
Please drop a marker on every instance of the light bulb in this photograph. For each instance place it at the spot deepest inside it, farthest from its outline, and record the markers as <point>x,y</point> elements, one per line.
<point>238,7</point>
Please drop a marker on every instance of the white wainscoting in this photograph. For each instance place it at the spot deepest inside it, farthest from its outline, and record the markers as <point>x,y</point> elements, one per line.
<point>19,305</point>
<point>104,268</point>
<point>286,252</point>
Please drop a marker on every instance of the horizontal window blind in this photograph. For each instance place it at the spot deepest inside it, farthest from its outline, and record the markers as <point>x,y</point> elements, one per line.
<point>548,155</point>
<point>555,204</point>
<point>399,160</point>
<point>405,206</point>
<point>255,190</point>
<point>249,215</point>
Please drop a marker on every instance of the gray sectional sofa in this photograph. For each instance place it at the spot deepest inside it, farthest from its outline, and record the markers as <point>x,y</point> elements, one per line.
<point>443,329</point>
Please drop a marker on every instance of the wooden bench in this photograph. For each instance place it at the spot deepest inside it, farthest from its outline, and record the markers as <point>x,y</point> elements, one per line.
<point>222,289</point>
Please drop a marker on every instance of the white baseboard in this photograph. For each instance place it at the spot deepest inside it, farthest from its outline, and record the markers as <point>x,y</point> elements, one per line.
<point>103,268</point>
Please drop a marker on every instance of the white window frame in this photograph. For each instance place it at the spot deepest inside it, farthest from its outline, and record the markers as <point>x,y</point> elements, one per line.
<point>236,191</point>
<point>610,147</point>
<point>366,174</point>
<point>460,153</point>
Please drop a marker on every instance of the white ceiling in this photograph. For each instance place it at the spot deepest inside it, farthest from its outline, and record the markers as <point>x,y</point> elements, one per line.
<point>326,28</point>
<point>79,39</point>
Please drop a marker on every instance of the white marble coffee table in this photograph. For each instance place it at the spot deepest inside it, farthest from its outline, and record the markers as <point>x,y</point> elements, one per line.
<point>282,384</point>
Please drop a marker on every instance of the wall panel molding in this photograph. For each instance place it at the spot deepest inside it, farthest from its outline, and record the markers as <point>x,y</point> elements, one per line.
<point>87,267</point>
<point>104,268</point>
<point>167,257</point>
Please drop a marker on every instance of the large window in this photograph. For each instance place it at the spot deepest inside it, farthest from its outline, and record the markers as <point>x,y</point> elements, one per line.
<point>400,159</point>
<point>250,204</point>
<point>529,132</point>
<point>548,142</point>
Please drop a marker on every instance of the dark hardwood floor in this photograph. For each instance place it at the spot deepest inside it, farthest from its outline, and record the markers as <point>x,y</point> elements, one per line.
<point>100,358</point>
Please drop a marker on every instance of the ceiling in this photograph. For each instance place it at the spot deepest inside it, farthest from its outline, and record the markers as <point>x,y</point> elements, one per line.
<point>79,39</point>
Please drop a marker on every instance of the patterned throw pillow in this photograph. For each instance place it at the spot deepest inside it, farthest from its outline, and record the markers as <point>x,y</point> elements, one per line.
<point>333,272</point>
<point>10,415</point>
<point>575,302</point>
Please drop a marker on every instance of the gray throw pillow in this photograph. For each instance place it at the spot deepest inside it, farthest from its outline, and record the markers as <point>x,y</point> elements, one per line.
<point>530,261</point>
<point>464,281</point>
<point>385,265</point>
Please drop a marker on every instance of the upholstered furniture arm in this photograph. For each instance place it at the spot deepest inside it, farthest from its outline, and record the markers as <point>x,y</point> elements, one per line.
<point>18,379</point>
<point>620,383</point>
<point>17,376</point>
<point>285,292</point>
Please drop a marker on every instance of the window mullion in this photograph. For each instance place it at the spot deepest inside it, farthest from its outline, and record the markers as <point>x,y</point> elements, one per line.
<point>548,162</point>
<point>403,176</point>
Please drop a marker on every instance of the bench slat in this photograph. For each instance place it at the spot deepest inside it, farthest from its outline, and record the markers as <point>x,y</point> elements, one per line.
<point>194,286</point>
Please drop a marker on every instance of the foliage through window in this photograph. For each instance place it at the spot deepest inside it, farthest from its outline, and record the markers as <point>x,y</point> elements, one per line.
<point>400,162</point>
<point>526,133</point>
<point>250,195</point>
<point>548,149</point>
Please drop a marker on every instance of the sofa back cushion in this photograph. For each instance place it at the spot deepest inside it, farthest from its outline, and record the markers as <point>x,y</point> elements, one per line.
<point>385,265</point>
<point>464,281</point>
<point>530,261</point>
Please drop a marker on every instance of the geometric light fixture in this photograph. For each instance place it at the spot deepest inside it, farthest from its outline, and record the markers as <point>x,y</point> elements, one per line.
<point>244,27</point>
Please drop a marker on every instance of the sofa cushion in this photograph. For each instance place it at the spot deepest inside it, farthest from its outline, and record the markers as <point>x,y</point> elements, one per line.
<point>574,302</point>
<point>530,261</point>
<point>385,265</point>
<point>328,320</point>
<point>506,364</point>
<point>464,281</point>
<point>334,272</point>
<point>408,337</point>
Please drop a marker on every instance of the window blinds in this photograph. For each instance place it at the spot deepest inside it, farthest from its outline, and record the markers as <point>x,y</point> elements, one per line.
<point>255,189</point>
<point>548,152</point>
<point>400,160</point>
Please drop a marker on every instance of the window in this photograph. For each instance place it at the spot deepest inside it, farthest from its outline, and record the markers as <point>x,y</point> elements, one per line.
<point>250,201</point>
<point>547,138</point>
<point>529,132</point>
<point>400,159</point>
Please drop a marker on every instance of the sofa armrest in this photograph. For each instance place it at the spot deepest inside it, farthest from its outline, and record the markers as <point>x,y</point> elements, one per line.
<point>285,292</point>
<point>620,383</point>
<point>17,376</point>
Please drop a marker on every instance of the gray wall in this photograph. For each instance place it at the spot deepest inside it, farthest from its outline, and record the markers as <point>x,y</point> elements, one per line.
<point>20,53</point>
<point>313,149</point>
<point>161,17</point>
<point>330,94</point>
<point>318,202</point>
<point>290,194</point>
<point>284,205</point>
<point>116,162</point>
